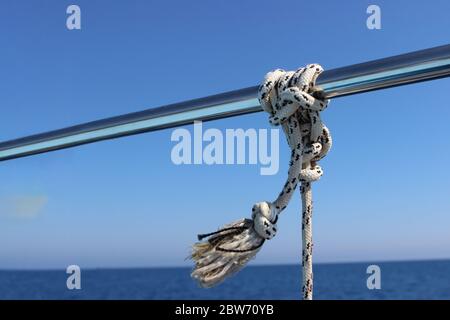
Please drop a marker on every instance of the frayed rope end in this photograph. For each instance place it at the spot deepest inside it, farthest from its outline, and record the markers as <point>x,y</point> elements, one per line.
<point>224,252</point>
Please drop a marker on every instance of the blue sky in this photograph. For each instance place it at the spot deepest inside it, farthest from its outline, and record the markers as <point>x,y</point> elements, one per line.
<point>385,192</point>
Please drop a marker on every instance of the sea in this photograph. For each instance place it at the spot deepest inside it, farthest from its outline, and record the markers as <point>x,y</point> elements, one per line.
<point>397,280</point>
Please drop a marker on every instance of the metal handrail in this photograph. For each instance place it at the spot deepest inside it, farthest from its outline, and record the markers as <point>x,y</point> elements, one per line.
<point>393,71</point>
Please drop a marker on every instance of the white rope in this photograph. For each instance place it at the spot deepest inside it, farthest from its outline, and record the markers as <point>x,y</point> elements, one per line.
<point>288,98</point>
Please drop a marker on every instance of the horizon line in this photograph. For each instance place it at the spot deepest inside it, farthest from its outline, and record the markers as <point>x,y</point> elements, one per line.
<point>252,265</point>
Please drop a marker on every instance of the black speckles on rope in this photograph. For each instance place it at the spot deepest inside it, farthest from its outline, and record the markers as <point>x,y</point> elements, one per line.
<point>288,98</point>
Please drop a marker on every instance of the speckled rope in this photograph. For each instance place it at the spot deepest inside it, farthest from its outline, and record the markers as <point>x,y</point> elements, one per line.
<point>288,98</point>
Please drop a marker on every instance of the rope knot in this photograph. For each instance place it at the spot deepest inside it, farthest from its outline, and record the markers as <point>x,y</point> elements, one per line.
<point>265,217</point>
<point>283,93</point>
<point>288,98</point>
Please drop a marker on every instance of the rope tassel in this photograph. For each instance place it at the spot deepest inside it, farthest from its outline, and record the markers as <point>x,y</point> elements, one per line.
<point>228,250</point>
<point>288,98</point>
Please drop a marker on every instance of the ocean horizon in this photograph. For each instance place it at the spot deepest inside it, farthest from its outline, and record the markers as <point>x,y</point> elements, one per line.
<point>418,279</point>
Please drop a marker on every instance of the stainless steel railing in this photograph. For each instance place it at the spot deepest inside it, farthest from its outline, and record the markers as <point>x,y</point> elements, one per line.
<point>373,75</point>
